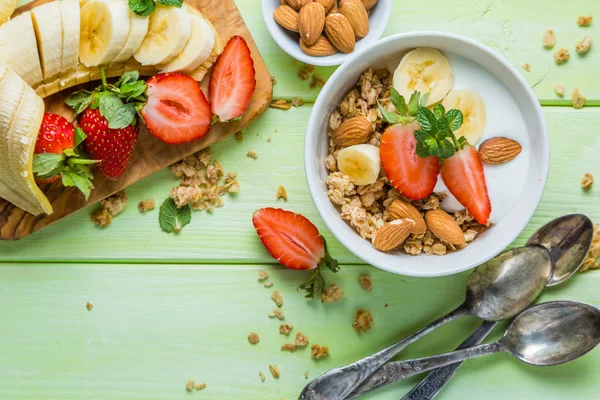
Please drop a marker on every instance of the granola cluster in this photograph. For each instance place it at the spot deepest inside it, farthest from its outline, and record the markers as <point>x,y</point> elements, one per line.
<point>366,208</point>
<point>109,208</point>
<point>592,260</point>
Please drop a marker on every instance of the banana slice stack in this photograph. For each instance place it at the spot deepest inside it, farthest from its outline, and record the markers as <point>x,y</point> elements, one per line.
<point>61,44</point>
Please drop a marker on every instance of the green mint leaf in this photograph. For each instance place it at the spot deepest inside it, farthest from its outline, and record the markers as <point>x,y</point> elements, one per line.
<point>80,136</point>
<point>447,149</point>
<point>439,110</point>
<point>413,104</point>
<point>122,117</point>
<point>398,101</point>
<point>441,128</point>
<point>426,119</point>
<point>389,117</point>
<point>109,103</point>
<point>455,119</point>
<point>78,179</point>
<point>421,150</point>
<point>423,102</point>
<point>422,136</point>
<point>46,164</point>
<point>142,8</point>
<point>433,147</point>
<point>171,3</point>
<point>172,219</point>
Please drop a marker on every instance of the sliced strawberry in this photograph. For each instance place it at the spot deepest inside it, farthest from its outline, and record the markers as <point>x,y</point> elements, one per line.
<point>463,175</point>
<point>413,176</point>
<point>176,111</point>
<point>232,82</point>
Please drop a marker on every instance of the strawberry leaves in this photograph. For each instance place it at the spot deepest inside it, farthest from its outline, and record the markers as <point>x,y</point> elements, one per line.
<point>405,113</point>
<point>316,283</point>
<point>70,165</point>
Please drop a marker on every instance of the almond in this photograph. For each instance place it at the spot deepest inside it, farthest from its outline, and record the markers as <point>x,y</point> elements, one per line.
<point>297,4</point>
<point>369,3</point>
<point>499,150</point>
<point>340,32</point>
<point>356,13</point>
<point>327,4</point>
<point>402,209</point>
<point>287,17</point>
<point>393,234</point>
<point>321,48</point>
<point>356,130</point>
<point>311,23</point>
<point>444,227</point>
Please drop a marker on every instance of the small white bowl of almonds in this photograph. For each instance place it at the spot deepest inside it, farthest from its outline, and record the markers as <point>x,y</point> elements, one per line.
<point>325,32</point>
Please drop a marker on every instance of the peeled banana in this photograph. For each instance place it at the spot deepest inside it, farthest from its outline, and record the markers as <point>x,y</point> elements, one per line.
<point>361,163</point>
<point>473,110</point>
<point>7,8</point>
<point>138,28</point>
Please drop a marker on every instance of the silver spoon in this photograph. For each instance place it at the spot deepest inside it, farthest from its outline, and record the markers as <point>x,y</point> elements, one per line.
<point>568,238</point>
<point>496,290</point>
<point>546,334</point>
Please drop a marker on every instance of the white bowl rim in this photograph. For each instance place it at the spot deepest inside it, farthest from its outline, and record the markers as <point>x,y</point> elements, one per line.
<point>311,142</point>
<point>375,33</point>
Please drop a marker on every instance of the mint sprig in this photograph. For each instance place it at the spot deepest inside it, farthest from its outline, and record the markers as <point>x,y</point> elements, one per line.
<point>316,282</point>
<point>173,219</point>
<point>144,8</point>
<point>436,137</point>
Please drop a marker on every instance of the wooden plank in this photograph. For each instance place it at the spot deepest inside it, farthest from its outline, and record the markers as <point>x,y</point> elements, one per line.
<point>153,328</point>
<point>512,27</point>
<point>227,235</point>
<point>151,154</point>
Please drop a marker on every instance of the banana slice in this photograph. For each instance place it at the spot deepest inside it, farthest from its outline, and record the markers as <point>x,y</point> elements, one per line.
<point>426,70</point>
<point>168,31</point>
<point>69,11</point>
<point>473,110</point>
<point>360,162</point>
<point>7,8</point>
<point>197,49</point>
<point>104,30</point>
<point>47,23</point>
<point>22,54</point>
<point>21,112</point>
<point>137,32</point>
<point>200,72</point>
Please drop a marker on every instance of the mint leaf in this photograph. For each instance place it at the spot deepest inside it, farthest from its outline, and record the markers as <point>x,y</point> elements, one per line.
<point>122,117</point>
<point>109,103</point>
<point>447,149</point>
<point>413,103</point>
<point>439,110</point>
<point>80,136</point>
<point>398,101</point>
<point>171,3</point>
<point>423,102</point>
<point>455,119</point>
<point>45,164</point>
<point>433,147</point>
<point>422,136</point>
<point>441,128</point>
<point>172,219</point>
<point>426,118</point>
<point>421,150</point>
<point>142,8</point>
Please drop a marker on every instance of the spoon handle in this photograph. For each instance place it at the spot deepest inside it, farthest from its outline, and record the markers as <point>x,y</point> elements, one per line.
<point>337,383</point>
<point>431,385</point>
<point>397,370</point>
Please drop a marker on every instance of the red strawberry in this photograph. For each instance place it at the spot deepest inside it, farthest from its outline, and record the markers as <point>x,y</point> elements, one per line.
<point>295,242</point>
<point>56,135</point>
<point>413,176</point>
<point>232,82</point>
<point>176,111</point>
<point>113,147</point>
<point>463,175</point>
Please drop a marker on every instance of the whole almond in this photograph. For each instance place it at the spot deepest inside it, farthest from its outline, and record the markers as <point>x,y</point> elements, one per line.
<point>287,17</point>
<point>327,4</point>
<point>321,48</point>
<point>402,209</point>
<point>393,234</point>
<point>499,150</point>
<point>339,31</point>
<point>297,4</point>
<point>356,13</point>
<point>356,130</point>
<point>444,227</point>
<point>369,3</point>
<point>311,23</point>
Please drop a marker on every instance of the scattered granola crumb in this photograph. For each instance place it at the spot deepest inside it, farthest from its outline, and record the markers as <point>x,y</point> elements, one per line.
<point>280,104</point>
<point>275,130</point>
<point>109,208</point>
<point>305,72</point>
<point>253,338</point>
<point>273,80</point>
<point>239,137</point>
<point>592,260</point>
<point>274,371</point>
<point>262,275</point>
<point>201,386</point>
<point>268,284</point>
<point>386,305</point>
<point>89,306</point>
<point>584,46</point>
<point>282,193</point>
<point>584,21</point>
<point>285,329</point>
<point>366,283</point>
<point>252,154</point>
<point>289,347</point>
<point>332,294</point>
<point>561,56</point>
<point>297,101</point>
<point>277,298</point>
<point>549,39</point>
<point>277,313</point>
<point>587,181</point>
<point>317,82</point>
<point>305,374</point>
<point>189,385</point>
<point>317,351</point>
<point>527,67</point>
<point>101,217</point>
<point>301,339</point>
<point>146,205</point>
<point>269,139</point>
<point>363,321</point>
<point>577,99</point>
<point>559,90</point>
<point>262,376</point>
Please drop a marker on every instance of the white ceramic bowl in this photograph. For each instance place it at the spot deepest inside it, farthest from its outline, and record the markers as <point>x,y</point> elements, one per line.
<point>289,41</point>
<point>515,188</point>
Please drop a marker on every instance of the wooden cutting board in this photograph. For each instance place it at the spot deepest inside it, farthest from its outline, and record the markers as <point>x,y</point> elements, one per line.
<point>151,154</point>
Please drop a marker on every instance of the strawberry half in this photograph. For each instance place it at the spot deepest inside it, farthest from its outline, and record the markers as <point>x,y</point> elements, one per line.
<point>413,176</point>
<point>463,175</point>
<point>296,243</point>
<point>232,82</point>
<point>176,110</point>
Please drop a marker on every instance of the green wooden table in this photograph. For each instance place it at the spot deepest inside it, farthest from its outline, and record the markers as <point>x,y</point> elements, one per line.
<point>171,308</point>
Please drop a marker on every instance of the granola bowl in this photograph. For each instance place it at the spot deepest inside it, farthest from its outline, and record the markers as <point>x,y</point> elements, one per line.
<point>355,212</point>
